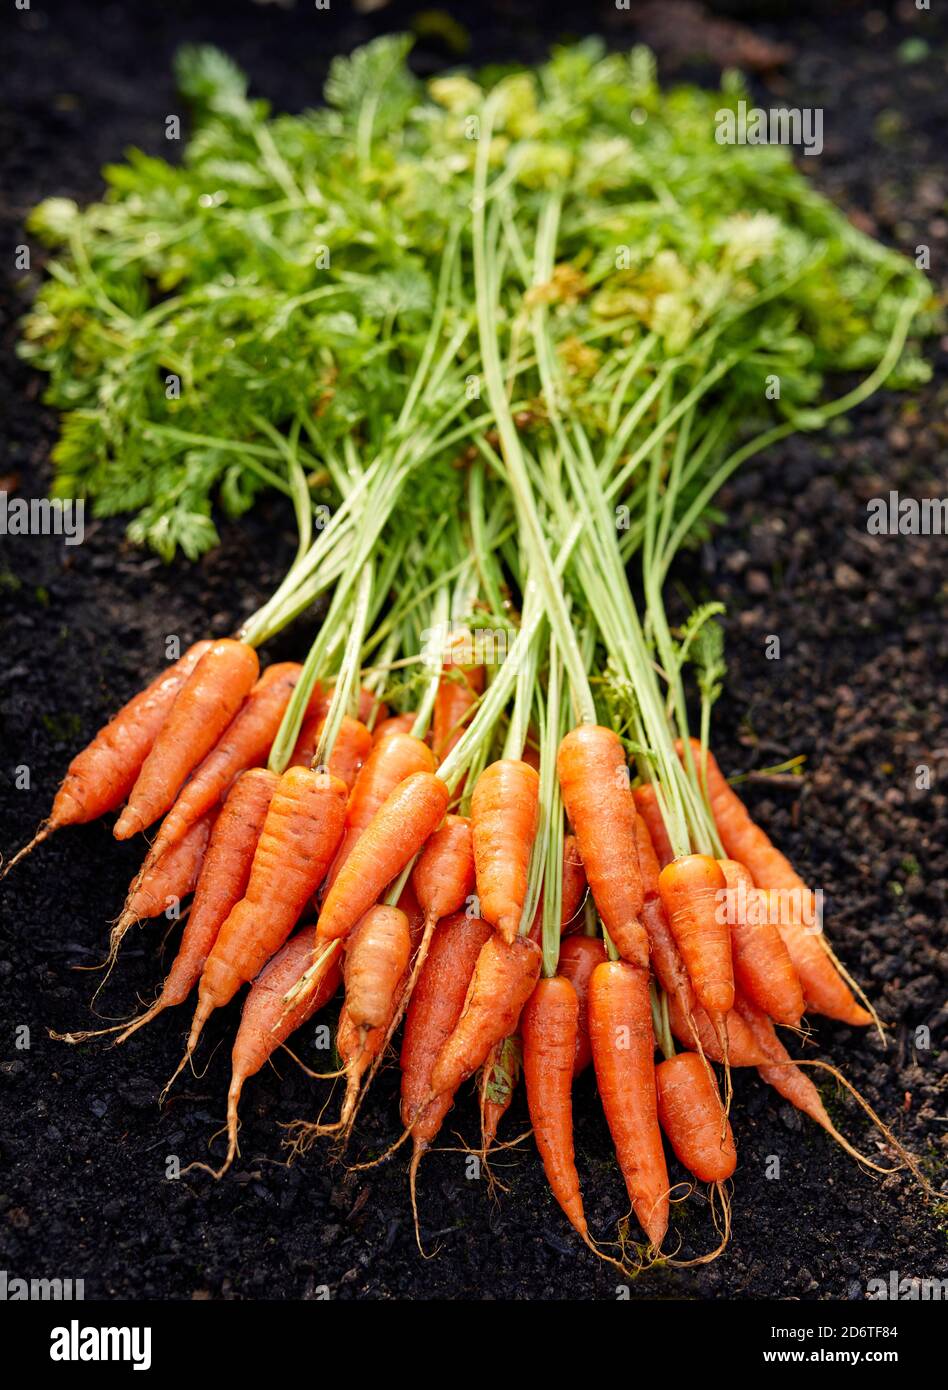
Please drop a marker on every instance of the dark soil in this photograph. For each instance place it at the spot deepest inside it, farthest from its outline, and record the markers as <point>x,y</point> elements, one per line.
<point>859,689</point>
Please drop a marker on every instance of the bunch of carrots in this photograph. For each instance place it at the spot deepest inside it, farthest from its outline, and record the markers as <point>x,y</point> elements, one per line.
<point>467,909</point>
<point>482,806</point>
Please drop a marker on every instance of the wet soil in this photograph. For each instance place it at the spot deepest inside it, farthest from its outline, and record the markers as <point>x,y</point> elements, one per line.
<point>859,690</point>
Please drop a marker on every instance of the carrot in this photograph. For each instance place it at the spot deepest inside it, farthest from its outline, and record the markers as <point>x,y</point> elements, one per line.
<point>690,1024</point>
<point>433,1013</point>
<point>650,866</point>
<point>409,904</point>
<point>503,981</point>
<point>573,892</point>
<point>594,782</point>
<point>823,988</point>
<point>666,958</point>
<point>498,1079</point>
<point>574,885</point>
<point>693,1118</point>
<point>377,952</point>
<point>100,777</point>
<point>299,837</point>
<point>762,964</point>
<point>694,1029</point>
<point>646,803</point>
<point>458,692</point>
<point>395,724</point>
<point>358,1048</point>
<point>579,956</point>
<point>504,812</point>
<point>692,891</point>
<point>620,1029</point>
<point>435,1009</point>
<point>202,710</point>
<point>222,884</point>
<point>266,1022</point>
<point>549,1026</point>
<point>352,746</point>
<point>781,1072</point>
<point>442,880</point>
<point>389,763</point>
<point>245,743</point>
<point>168,880</point>
<point>393,837</point>
<point>443,877</point>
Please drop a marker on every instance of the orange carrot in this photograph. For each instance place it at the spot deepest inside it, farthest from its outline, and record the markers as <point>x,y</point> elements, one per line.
<point>168,880</point>
<point>266,1022</point>
<point>202,710</point>
<point>358,1048</point>
<point>693,1118</point>
<point>498,1079</point>
<point>690,1024</point>
<point>409,904</point>
<point>377,951</point>
<point>579,956</point>
<point>692,890</point>
<point>650,865</point>
<point>666,958</point>
<point>695,1030</point>
<point>222,884</point>
<point>433,1013</point>
<point>352,746</point>
<point>789,1081</point>
<point>299,837</point>
<point>245,743</point>
<point>458,691</point>
<point>388,764</point>
<point>393,837</point>
<point>502,982</point>
<point>549,1026</point>
<point>441,882</point>
<point>762,964</point>
<point>504,812</point>
<point>594,782</point>
<point>620,1029</point>
<point>646,803</point>
<point>100,777</point>
<point>824,989</point>
<point>574,886</point>
<point>443,877</point>
<point>573,892</point>
<point>395,724</point>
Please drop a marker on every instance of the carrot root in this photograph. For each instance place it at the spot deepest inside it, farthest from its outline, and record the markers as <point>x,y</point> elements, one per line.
<point>44,832</point>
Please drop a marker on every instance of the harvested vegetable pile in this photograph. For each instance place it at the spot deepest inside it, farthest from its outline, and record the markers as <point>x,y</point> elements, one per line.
<point>500,347</point>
